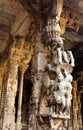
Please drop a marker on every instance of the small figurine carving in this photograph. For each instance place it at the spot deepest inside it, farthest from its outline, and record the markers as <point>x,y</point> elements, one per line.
<point>59,55</point>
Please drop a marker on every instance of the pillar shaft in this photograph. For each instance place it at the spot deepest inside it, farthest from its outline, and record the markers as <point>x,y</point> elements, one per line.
<point>11,89</point>
<point>70,122</point>
<point>79,112</point>
<point>75,106</point>
<point>19,111</point>
<point>20,102</point>
<point>38,68</point>
<point>1,95</point>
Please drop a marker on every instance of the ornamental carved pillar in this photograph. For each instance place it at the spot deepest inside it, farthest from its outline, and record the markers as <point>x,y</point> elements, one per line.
<point>2,92</point>
<point>11,89</point>
<point>70,121</point>
<point>37,72</point>
<point>20,93</point>
<point>57,79</point>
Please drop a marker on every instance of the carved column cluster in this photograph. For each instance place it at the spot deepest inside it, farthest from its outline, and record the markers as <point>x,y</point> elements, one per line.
<point>50,101</point>
<point>20,55</point>
<point>12,84</point>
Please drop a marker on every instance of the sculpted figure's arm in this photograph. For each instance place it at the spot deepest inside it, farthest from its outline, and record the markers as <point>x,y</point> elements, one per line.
<point>46,81</point>
<point>49,67</point>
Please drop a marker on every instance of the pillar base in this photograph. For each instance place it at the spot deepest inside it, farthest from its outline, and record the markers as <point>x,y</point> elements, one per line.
<point>9,122</point>
<point>18,126</point>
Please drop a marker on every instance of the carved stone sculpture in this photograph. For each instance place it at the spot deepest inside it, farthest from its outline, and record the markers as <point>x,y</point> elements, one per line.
<point>58,77</point>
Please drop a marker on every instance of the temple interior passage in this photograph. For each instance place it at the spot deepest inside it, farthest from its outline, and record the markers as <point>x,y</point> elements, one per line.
<point>41,64</point>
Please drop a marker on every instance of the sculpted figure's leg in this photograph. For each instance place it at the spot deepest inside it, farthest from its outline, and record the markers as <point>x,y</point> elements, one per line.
<point>59,55</point>
<point>63,103</point>
<point>55,59</point>
<point>65,58</point>
<point>71,58</point>
<point>68,101</point>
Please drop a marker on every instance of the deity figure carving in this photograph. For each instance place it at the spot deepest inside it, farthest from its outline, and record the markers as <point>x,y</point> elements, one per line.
<point>63,96</point>
<point>59,93</point>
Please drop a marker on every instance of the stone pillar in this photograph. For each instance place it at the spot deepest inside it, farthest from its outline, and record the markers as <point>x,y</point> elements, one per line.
<point>37,71</point>
<point>34,103</point>
<point>75,106</point>
<point>11,89</point>
<point>70,121</point>
<point>2,69</point>
<point>20,93</point>
<point>79,111</point>
<point>60,64</point>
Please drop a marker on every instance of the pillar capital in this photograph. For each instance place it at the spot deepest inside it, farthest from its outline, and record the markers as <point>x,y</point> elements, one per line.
<point>13,62</point>
<point>23,68</point>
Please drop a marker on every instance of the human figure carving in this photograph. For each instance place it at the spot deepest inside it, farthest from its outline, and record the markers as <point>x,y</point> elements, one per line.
<point>63,94</point>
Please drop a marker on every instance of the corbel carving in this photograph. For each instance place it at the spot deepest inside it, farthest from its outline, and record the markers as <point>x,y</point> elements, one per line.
<point>63,21</point>
<point>27,53</point>
<point>21,51</point>
<point>16,49</point>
